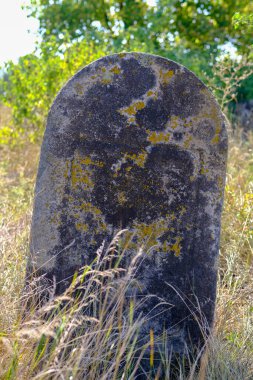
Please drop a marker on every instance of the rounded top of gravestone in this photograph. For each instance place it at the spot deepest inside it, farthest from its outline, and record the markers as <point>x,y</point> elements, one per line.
<point>132,141</point>
<point>156,100</point>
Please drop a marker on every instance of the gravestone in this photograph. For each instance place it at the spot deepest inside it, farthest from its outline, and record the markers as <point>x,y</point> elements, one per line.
<point>136,141</point>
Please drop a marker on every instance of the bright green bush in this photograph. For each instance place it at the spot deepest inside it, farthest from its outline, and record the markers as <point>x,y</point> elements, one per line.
<point>30,86</point>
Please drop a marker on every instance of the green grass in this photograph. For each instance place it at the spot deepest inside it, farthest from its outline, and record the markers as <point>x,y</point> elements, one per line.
<point>84,338</point>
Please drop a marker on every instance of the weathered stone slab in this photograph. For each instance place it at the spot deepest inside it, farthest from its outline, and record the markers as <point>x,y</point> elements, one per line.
<point>136,141</point>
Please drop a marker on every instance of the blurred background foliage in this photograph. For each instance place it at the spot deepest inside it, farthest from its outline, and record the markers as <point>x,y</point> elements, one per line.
<point>203,35</point>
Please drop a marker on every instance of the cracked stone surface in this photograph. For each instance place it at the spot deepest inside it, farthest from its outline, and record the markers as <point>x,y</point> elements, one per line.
<point>136,141</point>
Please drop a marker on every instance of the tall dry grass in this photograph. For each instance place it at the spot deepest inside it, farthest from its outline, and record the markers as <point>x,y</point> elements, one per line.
<point>84,338</point>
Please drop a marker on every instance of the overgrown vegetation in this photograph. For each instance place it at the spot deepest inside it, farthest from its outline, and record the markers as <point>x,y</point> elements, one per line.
<point>35,348</point>
<point>72,343</point>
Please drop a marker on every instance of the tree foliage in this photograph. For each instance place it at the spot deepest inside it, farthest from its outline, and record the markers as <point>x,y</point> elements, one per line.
<point>31,85</point>
<point>243,21</point>
<point>75,32</point>
<point>205,24</point>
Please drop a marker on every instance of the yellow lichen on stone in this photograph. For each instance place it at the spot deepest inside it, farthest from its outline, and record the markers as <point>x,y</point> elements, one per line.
<point>107,76</point>
<point>88,161</point>
<point>166,246</point>
<point>131,111</point>
<point>83,227</point>
<point>187,142</point>
<point>89,207</point>
<point>139,159</point>
<point>115,70</point>
<point>182,210</point>
<point>211,111</point>
<point>187,123</point>
<point>174,122</point>
<point>79,209</point>
<point>80,176</point>
<point>215,139</point>
<point>220,184</point>
<point>158,137</point>
<point>176,247</point>
<point>55,218</point>
<point>150,93</point>
<point>133,108</point>
<point>80,172</point>
<point>165,76</point>
<point>79,88</point>
<point>106,80</point>
<point>139,105</point>
<point>67,169</point>
<point>121,198</point>
<point>204,170</point>
<point>149,234</point>
<point>172,216</point>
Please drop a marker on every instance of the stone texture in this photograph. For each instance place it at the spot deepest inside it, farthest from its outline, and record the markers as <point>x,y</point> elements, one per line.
<point>136,141</point>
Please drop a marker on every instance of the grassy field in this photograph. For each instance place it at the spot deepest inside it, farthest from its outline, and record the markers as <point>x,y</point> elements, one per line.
<point>71,345</point>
